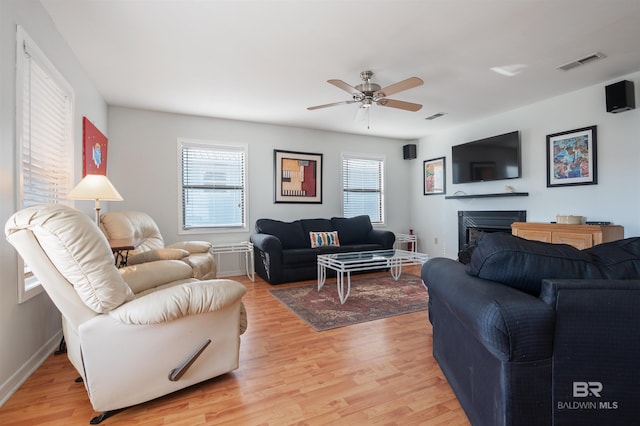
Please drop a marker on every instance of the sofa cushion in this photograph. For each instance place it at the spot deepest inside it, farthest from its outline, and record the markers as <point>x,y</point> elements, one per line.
<point>617,260</point>
<point>352,230</point>
<point>316,225</point>
<point>319,239</point>
<point>290,234</point>
<point>523,264</point>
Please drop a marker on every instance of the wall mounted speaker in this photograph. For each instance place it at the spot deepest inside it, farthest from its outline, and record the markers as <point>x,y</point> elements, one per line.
<point>620,96</point>
<point>409,152</point>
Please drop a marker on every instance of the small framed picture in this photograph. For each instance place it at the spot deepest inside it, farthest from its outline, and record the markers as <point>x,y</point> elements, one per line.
<point>434,176</point>
<point>571,158</point>
<point>94,152</point>
<point>298,177</point>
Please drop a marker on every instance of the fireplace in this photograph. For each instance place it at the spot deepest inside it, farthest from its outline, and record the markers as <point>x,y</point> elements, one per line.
<point>472,224</point>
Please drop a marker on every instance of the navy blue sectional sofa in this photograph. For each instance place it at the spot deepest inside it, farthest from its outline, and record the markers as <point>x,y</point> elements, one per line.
<point>283,252</point>
<point>530,333</point>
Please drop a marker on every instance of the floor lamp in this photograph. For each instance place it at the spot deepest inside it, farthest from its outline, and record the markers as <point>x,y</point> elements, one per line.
<point>95,187</point>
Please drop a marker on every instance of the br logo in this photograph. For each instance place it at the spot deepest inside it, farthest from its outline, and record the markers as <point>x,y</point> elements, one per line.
<point>584,389</point>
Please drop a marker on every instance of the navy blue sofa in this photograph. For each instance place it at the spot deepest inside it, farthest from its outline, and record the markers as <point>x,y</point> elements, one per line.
<point>530,333</point>
<point>283,253</point>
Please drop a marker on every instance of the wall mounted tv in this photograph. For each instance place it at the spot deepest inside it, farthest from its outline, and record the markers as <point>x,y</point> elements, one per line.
<point>494,158</point>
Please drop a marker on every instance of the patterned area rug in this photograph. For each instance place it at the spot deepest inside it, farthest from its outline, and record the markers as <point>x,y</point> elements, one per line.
<point>370,299</point>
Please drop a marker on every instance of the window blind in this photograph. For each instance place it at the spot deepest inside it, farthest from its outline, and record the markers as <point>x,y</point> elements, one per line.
<point>362,185</point>
<point>44,138</point>
<point>46,160</point>
<point>213,185</point>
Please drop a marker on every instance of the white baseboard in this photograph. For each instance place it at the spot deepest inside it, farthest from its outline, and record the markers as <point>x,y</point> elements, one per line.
<point>11,385</point>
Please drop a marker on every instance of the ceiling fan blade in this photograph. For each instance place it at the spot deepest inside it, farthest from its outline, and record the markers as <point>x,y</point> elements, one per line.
<point>409,83</point>
<point>392,103</point>
<point>344,86</point>
<point>311,108</point>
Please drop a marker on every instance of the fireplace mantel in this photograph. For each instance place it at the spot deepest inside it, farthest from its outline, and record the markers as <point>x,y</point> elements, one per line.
<point>499,194</point>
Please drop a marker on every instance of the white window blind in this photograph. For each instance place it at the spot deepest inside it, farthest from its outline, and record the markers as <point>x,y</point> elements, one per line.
<point>44,130</point>
<point>363,187</point>
<point>213,180</point>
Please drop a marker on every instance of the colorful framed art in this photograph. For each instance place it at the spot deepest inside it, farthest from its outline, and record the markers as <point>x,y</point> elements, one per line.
<point>571,157</point>
<point>94,154</point>
<point>434,176</point>
<point>298,177</point>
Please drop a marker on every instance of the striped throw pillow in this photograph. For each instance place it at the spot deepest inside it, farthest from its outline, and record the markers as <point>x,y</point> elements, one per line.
<point>319,239</point>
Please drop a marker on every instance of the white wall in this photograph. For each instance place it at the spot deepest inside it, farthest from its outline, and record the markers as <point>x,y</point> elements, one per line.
<point>29,331</point>
<point>614,198</point>
<point>143,166</point>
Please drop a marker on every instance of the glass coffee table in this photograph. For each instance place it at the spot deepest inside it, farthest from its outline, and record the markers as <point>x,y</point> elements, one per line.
<point>345,263</point>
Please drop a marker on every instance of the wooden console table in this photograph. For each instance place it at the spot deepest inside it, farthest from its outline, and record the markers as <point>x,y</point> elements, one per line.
<point>579,236</point>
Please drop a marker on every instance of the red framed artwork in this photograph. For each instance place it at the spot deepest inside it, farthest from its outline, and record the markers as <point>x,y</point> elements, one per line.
<point>94,154</point>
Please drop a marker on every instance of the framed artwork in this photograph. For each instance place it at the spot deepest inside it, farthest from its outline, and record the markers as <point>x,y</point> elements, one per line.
<point>94,154</point>
<point>298,177</point>
<point>434,176</point>
<point>571,158</point>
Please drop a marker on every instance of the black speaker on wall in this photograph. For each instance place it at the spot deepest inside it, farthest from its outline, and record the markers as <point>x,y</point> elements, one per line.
<point>620,96</point>
<point>409,152</point>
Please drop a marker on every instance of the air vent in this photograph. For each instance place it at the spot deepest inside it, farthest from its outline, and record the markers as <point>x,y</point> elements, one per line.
<point>434,116</point>
<point>582,61</point>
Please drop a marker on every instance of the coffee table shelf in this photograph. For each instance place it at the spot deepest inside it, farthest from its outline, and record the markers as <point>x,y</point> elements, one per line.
<point>345,263</point>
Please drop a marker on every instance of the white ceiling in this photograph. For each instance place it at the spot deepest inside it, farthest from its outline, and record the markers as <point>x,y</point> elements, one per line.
<point>267,61</point>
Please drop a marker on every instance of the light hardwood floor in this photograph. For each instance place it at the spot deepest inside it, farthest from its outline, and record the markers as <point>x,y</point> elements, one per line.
<point>376,373</point>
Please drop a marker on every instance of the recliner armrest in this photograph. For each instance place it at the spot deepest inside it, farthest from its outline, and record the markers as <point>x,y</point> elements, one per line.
<point>153,274</point>
<point>179,301</point>
<point>157,254</point>
<point>191,246</point>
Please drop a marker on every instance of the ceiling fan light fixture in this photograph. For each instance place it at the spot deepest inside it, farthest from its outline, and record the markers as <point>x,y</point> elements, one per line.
<point>368,93</point>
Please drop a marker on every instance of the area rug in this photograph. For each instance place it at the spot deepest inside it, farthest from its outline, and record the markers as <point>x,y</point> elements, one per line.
<point>370,299</point>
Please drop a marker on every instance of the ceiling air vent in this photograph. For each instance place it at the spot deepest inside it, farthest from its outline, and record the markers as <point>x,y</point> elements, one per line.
<point>434,116</point>
<point>582,61</point>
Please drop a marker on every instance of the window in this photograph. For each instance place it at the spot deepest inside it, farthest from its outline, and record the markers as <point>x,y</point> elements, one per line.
<point>44,138</point>
<point>213,184</point>
<point>363,187</point>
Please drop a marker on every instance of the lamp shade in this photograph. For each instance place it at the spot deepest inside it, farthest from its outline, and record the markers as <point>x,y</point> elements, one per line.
<point>95,187</point>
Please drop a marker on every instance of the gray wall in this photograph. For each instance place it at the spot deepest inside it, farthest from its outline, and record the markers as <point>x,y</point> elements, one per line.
<point>614,198</point>
<point>143,165</point>
<point>29,331</point>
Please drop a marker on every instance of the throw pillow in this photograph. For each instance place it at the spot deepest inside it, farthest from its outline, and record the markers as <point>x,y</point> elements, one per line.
<point>319,239</point>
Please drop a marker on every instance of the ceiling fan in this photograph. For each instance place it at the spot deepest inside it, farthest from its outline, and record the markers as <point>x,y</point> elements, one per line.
<point>368,93</point>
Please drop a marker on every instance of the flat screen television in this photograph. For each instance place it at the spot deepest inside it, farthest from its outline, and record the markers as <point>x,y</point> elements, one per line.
<point>493,158</point>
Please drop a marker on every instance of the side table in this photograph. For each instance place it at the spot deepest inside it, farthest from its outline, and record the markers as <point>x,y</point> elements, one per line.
<point>120,249</point>
<point>245,247</point>
<point>410,239</point>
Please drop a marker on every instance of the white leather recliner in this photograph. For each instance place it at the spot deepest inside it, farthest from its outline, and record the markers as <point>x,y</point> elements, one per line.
<point>134,225</point>
<point>135,333</point>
